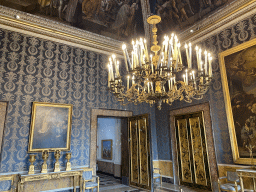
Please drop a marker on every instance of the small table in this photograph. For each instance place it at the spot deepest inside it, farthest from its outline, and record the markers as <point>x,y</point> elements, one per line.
<point>41,177</point>
<point>246,173</point>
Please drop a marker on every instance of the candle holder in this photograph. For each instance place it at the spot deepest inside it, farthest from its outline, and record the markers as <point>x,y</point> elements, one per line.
<point>57,164</point>
<point>45,155</point>
<point>32,167</point>
<point>68,165</point>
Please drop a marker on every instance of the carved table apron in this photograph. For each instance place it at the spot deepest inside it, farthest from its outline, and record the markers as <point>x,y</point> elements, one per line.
<point>40,177</point>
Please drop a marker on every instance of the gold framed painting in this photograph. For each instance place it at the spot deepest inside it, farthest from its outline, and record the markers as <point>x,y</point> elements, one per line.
<point>50,127</point>
<point>238,72</point>
<point>106,149</point>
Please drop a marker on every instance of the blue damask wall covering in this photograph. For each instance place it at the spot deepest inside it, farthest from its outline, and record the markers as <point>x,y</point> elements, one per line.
<point>34,69</point>
<point>230,37</point>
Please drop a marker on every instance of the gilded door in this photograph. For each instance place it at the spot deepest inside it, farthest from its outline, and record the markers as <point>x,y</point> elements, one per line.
<point>192,153</point>
<point>140,167</point>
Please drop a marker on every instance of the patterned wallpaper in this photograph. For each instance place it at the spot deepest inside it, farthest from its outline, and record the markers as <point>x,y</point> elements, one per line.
<point>34,69</point>
<point>232,36</point>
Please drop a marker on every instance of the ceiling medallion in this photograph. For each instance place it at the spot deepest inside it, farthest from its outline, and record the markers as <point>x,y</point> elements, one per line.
<point>157,78</point>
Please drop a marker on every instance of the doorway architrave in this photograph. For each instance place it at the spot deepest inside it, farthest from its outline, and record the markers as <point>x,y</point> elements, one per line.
<point>209,141</point>
<point>93,142</point>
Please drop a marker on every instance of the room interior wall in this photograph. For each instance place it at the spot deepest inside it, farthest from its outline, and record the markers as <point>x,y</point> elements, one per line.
<point>37,69</point>
<point>232,35</point>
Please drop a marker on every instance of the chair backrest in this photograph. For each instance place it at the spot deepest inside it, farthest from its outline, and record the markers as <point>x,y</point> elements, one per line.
<point>87,175</point>
<point>6,183</point>
<point>232,176</point>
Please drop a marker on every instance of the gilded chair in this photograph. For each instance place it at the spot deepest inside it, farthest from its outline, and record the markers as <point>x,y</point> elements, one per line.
<point>90,181</point>
<point>230,182</point>
<point>6,183</point>
<point>157,176</point>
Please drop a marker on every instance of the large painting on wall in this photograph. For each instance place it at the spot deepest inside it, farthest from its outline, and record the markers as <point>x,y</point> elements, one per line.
<point>118,19</point>
<point>106,149</point>
<point>50,127</point>
<point>238,70</point>
<point>3,112</point>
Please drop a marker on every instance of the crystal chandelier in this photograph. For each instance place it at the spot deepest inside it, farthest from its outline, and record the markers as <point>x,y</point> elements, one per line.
<point>155,78</point>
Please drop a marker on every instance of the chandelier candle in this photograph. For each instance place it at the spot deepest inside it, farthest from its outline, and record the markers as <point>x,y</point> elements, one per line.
<point>153,72</point>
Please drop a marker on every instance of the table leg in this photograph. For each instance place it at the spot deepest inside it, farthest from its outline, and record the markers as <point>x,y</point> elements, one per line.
<point>81,184</point>
<point>254,186</point>
<point>241,183</point>
<point>74,183</point>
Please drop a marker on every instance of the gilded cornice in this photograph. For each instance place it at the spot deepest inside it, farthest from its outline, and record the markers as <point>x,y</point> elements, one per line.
<point>224,17</point>
<point>52,30</point>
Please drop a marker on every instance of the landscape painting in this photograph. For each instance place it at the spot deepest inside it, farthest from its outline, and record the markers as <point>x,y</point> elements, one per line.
<point>50,127</point>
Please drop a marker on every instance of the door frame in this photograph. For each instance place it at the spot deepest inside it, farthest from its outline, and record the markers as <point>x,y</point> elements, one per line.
<point>94,126</point>
<point>209,142</point>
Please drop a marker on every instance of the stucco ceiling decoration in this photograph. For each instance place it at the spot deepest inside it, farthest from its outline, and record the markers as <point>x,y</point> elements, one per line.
<point>49,29</point>
<point>19,21</point>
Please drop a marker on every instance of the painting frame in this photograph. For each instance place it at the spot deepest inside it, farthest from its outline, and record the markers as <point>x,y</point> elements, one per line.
<point>108,144</point>
<point>242,48</point>
<point>50,122</point>
<point>3,114</point>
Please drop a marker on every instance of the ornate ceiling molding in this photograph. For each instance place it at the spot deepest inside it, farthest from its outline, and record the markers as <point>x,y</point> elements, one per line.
<point>26,23</point>
<point>221,19</point>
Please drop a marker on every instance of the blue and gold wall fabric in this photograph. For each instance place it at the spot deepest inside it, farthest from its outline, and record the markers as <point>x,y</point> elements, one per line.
<point>34,69</point>
<point>230,37</point>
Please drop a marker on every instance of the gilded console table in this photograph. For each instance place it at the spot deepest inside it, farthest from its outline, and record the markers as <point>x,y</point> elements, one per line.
<point>246,173</point>
<point>51,181</point>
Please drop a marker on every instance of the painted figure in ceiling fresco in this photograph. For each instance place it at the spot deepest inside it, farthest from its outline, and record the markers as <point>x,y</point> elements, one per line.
<point>179,11</point>
<point>124,23</point>
<point>91,8</point>
<point>168,12</point>
<point>110,9</point>
<point>59,6</point>
<point>74,12</point>
<point>241,72</point>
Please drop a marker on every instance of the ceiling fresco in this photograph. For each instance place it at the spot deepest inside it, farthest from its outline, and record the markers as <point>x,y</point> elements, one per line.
<point>178,15</point>
<point>120,19</point>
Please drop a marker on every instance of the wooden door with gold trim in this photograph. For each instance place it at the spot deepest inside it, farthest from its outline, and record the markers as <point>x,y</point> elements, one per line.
<point>192,150</point>
<point>139,147</point>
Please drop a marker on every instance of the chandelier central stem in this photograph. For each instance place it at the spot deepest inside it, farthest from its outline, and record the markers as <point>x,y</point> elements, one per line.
<point>154,80</point>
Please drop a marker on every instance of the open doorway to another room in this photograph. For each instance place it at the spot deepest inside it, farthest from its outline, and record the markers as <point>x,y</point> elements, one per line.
<point>112,153</point>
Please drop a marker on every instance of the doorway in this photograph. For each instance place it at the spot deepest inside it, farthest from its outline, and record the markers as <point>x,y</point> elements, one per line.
<point>112,143</point>
<point>95,113</point>
<point>140,156</point>
<point>210,147</point>
<point>191,148</point>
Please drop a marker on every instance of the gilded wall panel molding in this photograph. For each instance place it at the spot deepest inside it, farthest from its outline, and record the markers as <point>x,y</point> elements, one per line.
<point>55,31</point>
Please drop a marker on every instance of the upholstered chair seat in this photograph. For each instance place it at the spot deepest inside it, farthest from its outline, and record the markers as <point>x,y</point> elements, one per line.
<point>90,181</point>
<point>229,183</point>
